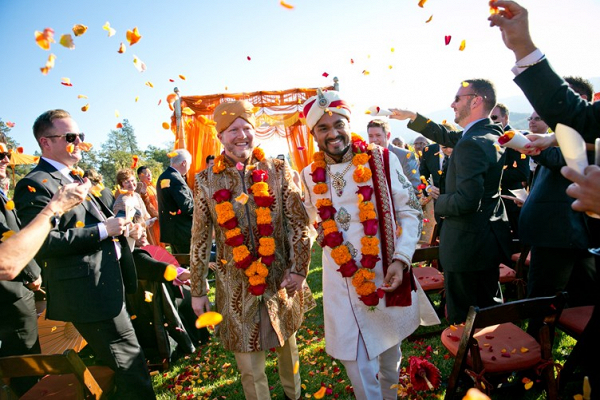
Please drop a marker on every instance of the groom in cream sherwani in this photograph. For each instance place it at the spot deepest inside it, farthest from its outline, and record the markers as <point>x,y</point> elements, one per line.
<point>369,221</point>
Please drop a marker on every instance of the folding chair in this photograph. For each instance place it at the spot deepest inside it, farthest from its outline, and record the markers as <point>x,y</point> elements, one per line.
<point>430,278</point>
<point>489,343</point>
<point>67,377</point>
<point>573,321</point>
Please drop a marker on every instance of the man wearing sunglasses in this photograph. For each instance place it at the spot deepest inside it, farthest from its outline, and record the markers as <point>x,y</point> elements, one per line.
<point>471,207</point>
<point>88,264</point>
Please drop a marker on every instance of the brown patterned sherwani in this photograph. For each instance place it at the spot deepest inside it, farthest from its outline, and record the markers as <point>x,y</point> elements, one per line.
<point>241,328</point>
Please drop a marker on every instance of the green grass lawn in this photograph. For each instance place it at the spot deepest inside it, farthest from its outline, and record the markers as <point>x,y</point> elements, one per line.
<point>211,372</point>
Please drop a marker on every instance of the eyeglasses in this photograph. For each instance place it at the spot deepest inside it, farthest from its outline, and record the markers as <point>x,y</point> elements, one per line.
<point>458,96</point>
<point>4,155</point>
<point>494,117</point>
<point>536,119</point>
<point>70,137</point>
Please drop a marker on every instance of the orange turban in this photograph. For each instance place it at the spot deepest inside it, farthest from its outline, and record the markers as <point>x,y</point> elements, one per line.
<point>226,113</point>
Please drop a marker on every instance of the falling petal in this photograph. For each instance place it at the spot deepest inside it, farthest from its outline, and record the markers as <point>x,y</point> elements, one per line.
<point>67,41</point>
<point>133,36</point>
<point>429,20</point>
<point>43,39</point>
<point>6,235</point>
<point>85,108</point>
<point>523,156</point>
<point>296,367</point>
<point>134,162</point>
<point>117,113</point>
<point>239,166</point>
<point>66,82</point>
<point>111,31</point>
<point>139,64</point>
<point>325,74</point>
<point>300,148</point>
<point>10,205</point>
<point>119,125</point>
<point>465,84</point>
<point>70,148</point>
<point>10,124</point>
<point>209,318</point>
<point>172,154</point>
<point>286,5</point>
<point>79,29</point>
<point>49,64</point>
<point>242,198</point>
<point>392,49</point>
<point>462,45</point>
<point>165,183</point>
<point>188,111</point>
<point>351,61</point>
<point>365,72</point>
<point>82,96</point>
<point>149,84</point>
<point>182,77</point>
<point>148,296</point>
<point>137,98</point>
<point>166,125</point>
<point>248,57</point>
<point>31,189</point>
<point>528,385</point>
<point>171,98</point>
<point>422,3</point>
<point>85,146</point>
<point>390,67</point>
<point>171,80</point>
<point>122,48</point>
<point>170,272</point>
<point>447,39</point>
<point>79,224</point>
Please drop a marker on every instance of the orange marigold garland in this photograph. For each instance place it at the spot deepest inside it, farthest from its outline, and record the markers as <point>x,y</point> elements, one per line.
<point>363,276</point>
<point>255,268</point>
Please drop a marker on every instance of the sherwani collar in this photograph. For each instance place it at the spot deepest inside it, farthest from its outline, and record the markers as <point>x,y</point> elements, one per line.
<point>347,157</point>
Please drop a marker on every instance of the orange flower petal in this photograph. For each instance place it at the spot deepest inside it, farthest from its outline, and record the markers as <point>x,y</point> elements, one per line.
<point>6,235</point>
<point>133,36</point>
<point>119,125</point>
<point>242,198</point>
<point>79,29</point>
<point>429,20</point>
<point>82,96</point>
<point>111,31</point>
<point>165,183</point>
<point>66,40</point>
<point>85,108</point>
<point>133,317</point>
<point>170,272</point>
<point>182,77</point>
<point>135,162</point>
<point>465,84</point>
<point>462,45</point>
<point>66,82</point>
<point>149,84</point>
<point>188,111</point>
<point>286,5</point>
<point>122,48</point>
<point>10,205</point>
<point>320,393</point>
<point>43,39</point>
<point>528,385</point>
<point>208,318</point>
<point>70,148</point>
<point>45,180</point>
<point>422,3</point>
<point>79,224</point>
<point>296,367</point>
<point>148,296</point>
<point>172,154</point>
<point>31,189</point>
<point>166,125</point>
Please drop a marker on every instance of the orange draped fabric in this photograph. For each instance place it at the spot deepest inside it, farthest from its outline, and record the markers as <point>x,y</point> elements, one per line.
<point>277,113</point>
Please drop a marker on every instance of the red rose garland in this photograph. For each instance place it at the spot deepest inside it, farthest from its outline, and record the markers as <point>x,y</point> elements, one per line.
<point>255,269</point>
<point>362,278</point>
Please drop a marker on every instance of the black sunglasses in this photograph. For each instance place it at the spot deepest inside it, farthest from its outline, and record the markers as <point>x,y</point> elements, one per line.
<point>70,137</point>
<point>494,117</point>
<point>4,155</point>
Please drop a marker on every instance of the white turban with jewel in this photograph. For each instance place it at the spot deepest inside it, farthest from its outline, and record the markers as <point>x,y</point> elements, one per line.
<point>324,102</point>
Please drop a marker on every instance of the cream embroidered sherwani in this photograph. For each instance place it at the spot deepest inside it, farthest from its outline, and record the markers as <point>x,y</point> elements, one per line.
<point>346,317</point>
<point>248,325</point>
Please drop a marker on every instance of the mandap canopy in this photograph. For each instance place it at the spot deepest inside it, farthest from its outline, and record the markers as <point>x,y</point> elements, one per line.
<point>277,113</point>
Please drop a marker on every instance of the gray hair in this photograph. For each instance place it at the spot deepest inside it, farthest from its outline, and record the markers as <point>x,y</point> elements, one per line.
<point>182,155</point>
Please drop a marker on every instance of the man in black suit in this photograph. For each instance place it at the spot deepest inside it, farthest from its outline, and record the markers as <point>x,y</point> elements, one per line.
<point>88,264</point>
<point>475,236</point>
<point>176,203</point>
<point>516,170</point>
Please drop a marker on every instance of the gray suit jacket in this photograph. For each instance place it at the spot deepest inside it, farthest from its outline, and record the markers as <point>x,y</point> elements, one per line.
<point>409,164</point>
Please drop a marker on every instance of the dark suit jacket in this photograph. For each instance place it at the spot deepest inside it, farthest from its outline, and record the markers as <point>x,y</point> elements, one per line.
<point>516,171</point>
<point>547,219</point>
<point>555,102</point>
<point>175,208</point>
<point>83,274</point>
<point>430,163</point>
<point>475,227</point>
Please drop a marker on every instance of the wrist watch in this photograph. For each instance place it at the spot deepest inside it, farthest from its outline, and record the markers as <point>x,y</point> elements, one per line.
<point>54,220</point>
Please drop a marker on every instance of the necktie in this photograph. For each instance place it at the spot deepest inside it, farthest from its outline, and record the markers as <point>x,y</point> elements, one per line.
<point>445,164</point>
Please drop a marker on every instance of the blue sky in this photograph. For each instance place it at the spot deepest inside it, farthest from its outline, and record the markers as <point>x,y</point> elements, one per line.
<point>209,42</point>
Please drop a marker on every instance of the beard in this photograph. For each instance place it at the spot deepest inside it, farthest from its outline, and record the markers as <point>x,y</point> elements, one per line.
<point>337,149</point>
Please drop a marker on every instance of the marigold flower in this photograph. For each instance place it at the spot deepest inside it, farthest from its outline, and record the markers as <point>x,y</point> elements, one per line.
<point>323,202</point>
<point>258,153</point>
<point>361,276</point>
<point>329,226</point>
<point>317,164</point>
<point>320,188</point>
<point>318,156</point>
<point>233,233</point>
<point>355,137</point>
<point>341,255</point>
<point>266,246</point>
<point>366,289</point>
<point>263,216</point>
<point>361,174</point>
<point>240,252</point>
<point>256,280</point>
<point>260,187</point>
<point>219,165</point>
<point>360,159</point>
